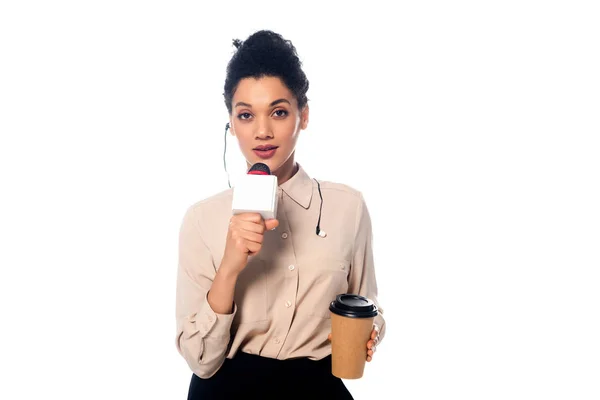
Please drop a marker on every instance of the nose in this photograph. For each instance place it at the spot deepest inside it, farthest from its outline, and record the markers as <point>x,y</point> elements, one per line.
<point>263,129</point>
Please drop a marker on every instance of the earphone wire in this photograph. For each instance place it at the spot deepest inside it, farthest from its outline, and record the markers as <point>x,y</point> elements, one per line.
<point>318,230</point>
<point>225,152</point>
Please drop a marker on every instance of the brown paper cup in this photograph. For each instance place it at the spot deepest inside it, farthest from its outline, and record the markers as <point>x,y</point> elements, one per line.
<point>351,325</point>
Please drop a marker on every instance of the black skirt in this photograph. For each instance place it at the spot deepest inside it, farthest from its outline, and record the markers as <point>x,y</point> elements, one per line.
<point>247,377</point>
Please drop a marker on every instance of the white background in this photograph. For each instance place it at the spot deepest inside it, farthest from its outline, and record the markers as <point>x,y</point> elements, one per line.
<point>471,128</point>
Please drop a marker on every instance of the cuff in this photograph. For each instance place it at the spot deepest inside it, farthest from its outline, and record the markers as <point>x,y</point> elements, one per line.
<point>380,322</point>
<point>207,322</point>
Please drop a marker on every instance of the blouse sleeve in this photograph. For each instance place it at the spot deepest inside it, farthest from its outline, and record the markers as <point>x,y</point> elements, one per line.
<point>362,279</point>
<point>202,335</point>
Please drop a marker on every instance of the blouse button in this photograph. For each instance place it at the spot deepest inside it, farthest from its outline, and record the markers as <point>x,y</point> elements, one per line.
<point>284,235</point>
<point>291,267</point>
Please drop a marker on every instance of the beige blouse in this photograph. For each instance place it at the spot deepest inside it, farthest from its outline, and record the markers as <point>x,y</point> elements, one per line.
<point>281,300</point>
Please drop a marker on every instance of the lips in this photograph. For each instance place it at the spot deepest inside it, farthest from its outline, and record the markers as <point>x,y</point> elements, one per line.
<point>265,147</point>
<point>265,151</point>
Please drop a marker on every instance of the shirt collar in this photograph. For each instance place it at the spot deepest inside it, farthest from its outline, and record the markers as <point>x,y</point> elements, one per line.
<point>299,187</point>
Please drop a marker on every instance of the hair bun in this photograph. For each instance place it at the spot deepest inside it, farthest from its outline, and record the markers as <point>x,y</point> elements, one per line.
<point>237,43</point>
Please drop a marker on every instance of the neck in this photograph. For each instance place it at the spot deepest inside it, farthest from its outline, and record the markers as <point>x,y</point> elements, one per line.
<point>286,171</point>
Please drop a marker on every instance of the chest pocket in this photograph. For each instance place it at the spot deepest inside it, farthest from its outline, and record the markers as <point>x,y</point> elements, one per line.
<point>250,294</point>
<point>321,280</point>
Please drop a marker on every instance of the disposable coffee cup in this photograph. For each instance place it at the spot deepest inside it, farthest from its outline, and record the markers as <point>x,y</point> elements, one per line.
<point>351,326</point>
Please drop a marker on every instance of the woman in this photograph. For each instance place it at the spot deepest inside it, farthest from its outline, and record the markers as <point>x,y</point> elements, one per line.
<point>253,295</point>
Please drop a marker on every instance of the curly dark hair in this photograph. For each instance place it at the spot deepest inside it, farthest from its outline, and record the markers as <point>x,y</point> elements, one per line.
<point>266,53</point>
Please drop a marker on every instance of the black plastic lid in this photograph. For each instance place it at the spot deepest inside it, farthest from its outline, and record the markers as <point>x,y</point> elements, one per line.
<point>353,306</point>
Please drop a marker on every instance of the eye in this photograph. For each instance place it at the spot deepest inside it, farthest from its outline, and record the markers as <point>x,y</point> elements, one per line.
<point>280,113</point>
<point>244,116</point>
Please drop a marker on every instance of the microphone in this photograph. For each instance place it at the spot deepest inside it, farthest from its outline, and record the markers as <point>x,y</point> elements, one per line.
<point>256,192</point>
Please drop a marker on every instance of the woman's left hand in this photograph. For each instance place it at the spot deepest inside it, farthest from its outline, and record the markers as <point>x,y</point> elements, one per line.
<point>371,344</point>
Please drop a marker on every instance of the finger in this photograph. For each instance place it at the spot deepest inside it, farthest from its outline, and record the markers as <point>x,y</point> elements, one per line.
<point>251,217</point>
<point>329,337</point>
<point>376,328</point>
<point>374,334</point>
<point>249,226</point>
<point>370,344</point>
<point>250,237</point>
<point>370,353</point>
<point>369,358</point>
<point>253,247</point>
<point>246,236</point>
<point>271,224</point>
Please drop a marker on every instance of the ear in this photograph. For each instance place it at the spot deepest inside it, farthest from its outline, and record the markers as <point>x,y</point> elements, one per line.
<point>304,117</point>
<point>231,131</point>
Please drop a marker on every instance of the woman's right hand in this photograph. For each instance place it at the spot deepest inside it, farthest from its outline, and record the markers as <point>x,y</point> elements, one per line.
<point>244,239</point>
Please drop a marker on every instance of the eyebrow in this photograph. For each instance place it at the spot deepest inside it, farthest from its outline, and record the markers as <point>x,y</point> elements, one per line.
<point>242,104</point>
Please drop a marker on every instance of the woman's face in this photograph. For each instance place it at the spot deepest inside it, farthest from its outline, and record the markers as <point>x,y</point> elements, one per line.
<point>266,121</point>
